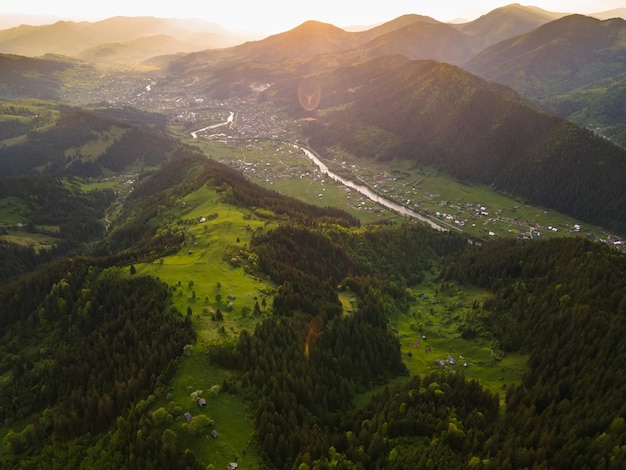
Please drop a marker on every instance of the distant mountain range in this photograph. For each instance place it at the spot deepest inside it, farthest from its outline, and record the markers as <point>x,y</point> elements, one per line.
<point>415,36</point>
<point>574,66</point>
<point>557,57</point>
<point>115,39</point>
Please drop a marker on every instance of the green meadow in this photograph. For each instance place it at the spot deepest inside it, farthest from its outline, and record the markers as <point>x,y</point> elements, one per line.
<point>430,331</point>
<point>13,210</point>
<point>36,240</point>
<point>93,149</point>
<point>206,280</point>
<point>279,166</point>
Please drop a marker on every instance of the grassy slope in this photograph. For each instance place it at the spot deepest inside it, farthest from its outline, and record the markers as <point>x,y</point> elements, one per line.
<point>201,271</point>
<point>437,318</point>
<point>206,267</point>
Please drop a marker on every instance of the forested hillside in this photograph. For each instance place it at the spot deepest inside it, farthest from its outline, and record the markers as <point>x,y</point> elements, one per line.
<point>47,207</point>
<point>573,67</point>
<point>471,129</point>
<point>42,77</point>
<point>126,338</point>
<point>87,143</point>
<point>302,367</point>
<point>562,301</point>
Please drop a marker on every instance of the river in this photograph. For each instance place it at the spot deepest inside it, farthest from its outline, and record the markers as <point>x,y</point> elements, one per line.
<point>367,192</point>
<point>230,120</point>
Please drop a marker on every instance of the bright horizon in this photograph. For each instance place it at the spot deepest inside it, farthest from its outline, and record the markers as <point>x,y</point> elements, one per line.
<point>273,16</point>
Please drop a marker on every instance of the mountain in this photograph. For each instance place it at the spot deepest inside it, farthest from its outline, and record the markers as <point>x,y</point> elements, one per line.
<point>557,57</point>
<point>135,51</point>
<point>69,141</point>
<point>12,20</point>
<point>423,40</point>
<point>505,22</point>
<point>24,77</point>
<point>415,36</point>
<point>573,66</point>
<point>607,15</point>
<point>438,114</point>
<point>304,41</point>
<point>394,25</point>
<point>71,38</point>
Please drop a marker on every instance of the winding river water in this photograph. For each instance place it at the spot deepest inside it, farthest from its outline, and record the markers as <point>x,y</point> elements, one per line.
<point>361,188</point>
<point>394,206</point>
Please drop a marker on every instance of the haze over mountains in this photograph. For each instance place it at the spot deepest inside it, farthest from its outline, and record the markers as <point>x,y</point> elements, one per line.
<point>524,47</point>
<point>165,304</point>
<point>115,39</point>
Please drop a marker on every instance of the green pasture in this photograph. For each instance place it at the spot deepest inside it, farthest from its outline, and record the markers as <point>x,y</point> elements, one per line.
<point>203,280</point>
<point>91,150</point>
<point>196,378</point>
<point>44,110</point>
<point>430,331</point>
<point>38,241</point>
<point>13,210</point>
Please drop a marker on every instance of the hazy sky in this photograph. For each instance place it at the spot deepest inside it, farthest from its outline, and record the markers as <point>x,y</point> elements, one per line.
<point>281,15</point>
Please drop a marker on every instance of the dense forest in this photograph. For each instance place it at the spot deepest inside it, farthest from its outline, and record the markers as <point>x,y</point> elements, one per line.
<point>301,368</point>
<point>118,139</point>
<point>126,338</point>
<point>562,301</point>
<point>49,207</point>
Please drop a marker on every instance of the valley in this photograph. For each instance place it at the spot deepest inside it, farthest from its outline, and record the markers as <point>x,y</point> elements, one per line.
<point>321,249</point>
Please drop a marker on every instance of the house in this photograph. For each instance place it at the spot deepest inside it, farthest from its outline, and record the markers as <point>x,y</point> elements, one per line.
<point>231,297</point>
<point>188,416</point>
<point>451,360</point>
<point>232,466</point>
<point>215,434</point>
<point>201,402</point>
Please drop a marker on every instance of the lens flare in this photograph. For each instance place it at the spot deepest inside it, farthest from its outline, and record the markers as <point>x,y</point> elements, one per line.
<point>313,332</point>
<point>309,94</point>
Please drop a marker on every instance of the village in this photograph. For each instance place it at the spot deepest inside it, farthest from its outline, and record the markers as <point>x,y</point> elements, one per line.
<point>259,139</point>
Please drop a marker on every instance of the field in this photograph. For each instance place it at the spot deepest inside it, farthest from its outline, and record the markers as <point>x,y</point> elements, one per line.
<point>430,339</point>
<point>281,167</point>
<point>36,240</point>
<point>476,210</point>
<point>13,211</point>
<point>206,282</point>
